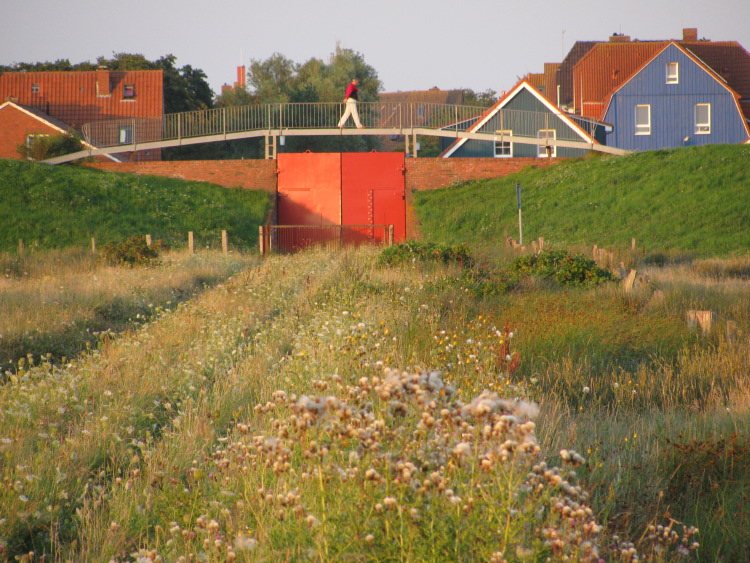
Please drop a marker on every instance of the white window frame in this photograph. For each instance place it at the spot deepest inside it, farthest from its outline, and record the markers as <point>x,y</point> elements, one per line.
<point>542,149</point>
<point>506,147</point>
<point>31,137</point>
<point>128,91</point>
<point>36,88</point>
<point>673,73</point>
<point>702,128</point>
<point>643,128</point>
<point>125,135</point>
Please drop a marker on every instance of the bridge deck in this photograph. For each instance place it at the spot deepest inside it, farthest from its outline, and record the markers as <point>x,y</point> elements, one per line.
<point>318,119</point>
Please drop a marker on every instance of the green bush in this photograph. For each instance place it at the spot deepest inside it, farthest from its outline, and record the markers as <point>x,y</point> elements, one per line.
<point>411,251</point>
<point>132,252</point>
<point>566,269</point>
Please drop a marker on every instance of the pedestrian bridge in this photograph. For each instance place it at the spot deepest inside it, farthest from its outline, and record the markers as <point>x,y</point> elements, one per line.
<point>272,121</point>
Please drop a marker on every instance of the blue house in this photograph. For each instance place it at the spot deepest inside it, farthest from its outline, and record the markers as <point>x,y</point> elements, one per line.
<point>676,99</point>
<point>526,124</point>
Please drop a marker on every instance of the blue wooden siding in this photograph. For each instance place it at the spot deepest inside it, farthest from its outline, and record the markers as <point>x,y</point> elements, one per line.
<point>520,125</point>
<point>673,107</point>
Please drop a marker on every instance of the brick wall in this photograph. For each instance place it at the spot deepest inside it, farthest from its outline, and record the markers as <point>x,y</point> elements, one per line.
<point>247,174</point>
<point>14,126</point>
<point>421,173</point>
<point>432,173</point>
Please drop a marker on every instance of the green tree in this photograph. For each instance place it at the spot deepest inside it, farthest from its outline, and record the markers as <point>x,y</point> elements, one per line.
<point>483,99</point>
<point>281,80</point>
<point>42,147</point>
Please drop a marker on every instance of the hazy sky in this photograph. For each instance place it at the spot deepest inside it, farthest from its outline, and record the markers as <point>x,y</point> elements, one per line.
<point>412,44</point>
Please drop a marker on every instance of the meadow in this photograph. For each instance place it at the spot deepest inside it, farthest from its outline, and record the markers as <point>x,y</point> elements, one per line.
<point>332,407</point>
<point>445,404</point>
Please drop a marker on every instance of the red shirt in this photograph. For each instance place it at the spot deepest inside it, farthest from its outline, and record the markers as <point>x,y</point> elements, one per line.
<point>352,92</point>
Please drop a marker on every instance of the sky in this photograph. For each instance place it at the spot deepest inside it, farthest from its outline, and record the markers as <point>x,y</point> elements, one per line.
<point>412,44</point>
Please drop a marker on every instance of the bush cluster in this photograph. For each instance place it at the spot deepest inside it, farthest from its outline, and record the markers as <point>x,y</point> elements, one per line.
<point>132,252</point>
<point>566,269</point>
<point>411,251</point>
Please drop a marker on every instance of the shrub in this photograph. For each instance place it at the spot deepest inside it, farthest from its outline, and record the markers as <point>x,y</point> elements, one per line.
<point>132,252</point>
<point>411,251</point>
<point>566,269</point>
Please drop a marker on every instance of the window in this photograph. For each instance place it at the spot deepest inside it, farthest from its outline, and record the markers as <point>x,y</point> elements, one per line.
<point>643,119</point>
<point>420,111</point>
<point>702,119</point>
<point>128,91</point>
<point>126,134</point>
<point>35,89</point>
<point>673,73</point>
<point>546,149</point>
<point>503,148</point>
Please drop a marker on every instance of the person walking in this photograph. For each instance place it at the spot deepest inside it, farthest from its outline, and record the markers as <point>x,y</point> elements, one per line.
<point>350,99</point>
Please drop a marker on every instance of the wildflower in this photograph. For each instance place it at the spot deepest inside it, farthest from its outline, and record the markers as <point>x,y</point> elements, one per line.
<point>586,389</point>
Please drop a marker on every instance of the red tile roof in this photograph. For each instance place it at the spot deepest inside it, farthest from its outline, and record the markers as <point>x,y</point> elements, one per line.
<point>78,97</point>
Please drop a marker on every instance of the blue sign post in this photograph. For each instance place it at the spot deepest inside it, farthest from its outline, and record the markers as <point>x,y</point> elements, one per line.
<point>520,219</point>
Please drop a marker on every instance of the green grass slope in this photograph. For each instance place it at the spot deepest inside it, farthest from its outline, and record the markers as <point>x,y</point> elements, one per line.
<point>62,206</point>
<point>694,199</point>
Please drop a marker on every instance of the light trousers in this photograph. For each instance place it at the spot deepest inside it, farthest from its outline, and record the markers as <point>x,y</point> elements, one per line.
<point>351,109</point>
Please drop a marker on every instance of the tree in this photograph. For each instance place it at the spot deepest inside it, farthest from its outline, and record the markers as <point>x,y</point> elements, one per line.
<point>185,89</point>
<point>483,99</point>
<point>42,147</point>
<point>281,80</point>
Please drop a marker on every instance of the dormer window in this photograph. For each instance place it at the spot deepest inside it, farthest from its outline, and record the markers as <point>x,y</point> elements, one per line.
<point>673,73</point>
<point>35,89</point>
<point>128,91</point>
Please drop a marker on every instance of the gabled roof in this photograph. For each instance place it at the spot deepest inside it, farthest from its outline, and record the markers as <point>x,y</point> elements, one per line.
<point>729,60</point>
<point>78,97</point>
<point>684,47</point>
<point>49,121</point>
<point>605,67</point>
<point>504,100</point>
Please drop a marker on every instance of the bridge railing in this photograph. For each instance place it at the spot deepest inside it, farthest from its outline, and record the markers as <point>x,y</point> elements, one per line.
<point>279,117</point>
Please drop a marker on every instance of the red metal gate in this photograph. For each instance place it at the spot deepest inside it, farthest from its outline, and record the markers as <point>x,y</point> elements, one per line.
<point>342,189</point>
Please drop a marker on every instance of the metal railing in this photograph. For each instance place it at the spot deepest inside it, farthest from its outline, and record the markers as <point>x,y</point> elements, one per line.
<point>293,238</point>
<point>401,117</point>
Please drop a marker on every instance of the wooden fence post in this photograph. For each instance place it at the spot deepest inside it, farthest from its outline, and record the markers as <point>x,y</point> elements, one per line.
<point>20,247</point>
<point>148,240</point>
<point>224,242</point>
<point>261,241</point>
<point>93,245</point>
<point>390,235</point>
<point>191,246</point>
<point>703,319</point>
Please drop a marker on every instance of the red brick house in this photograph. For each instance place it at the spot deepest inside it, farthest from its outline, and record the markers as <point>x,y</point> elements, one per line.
<point>34,103</point>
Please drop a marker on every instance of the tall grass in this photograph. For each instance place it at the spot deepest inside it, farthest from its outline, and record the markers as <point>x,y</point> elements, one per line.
<point>260,421</point>
<point>55,304</point>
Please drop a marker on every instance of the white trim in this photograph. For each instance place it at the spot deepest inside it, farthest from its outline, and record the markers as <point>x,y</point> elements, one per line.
<point>673,78</point>
<point>642,128</point>
<point>510,145</point>
<point>701,128</point>
<point>523,85</point>
<point>541,150</point>
<point>52,126</point>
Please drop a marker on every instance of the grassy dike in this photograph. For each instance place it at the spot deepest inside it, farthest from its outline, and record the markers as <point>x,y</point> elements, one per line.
<point>692,200</point>
<point>57,207</point>
<point>292,413</point>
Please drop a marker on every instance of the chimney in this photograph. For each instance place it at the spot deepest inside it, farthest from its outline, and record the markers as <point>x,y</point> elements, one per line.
<point>690,34</point>
<point>619,38</point>
<point>102,81</point>
<point>241,77</point>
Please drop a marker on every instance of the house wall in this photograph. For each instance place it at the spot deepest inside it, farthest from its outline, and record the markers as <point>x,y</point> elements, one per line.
<point>673,106</point>
<point>521,123</point>
<point>14,126</point>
